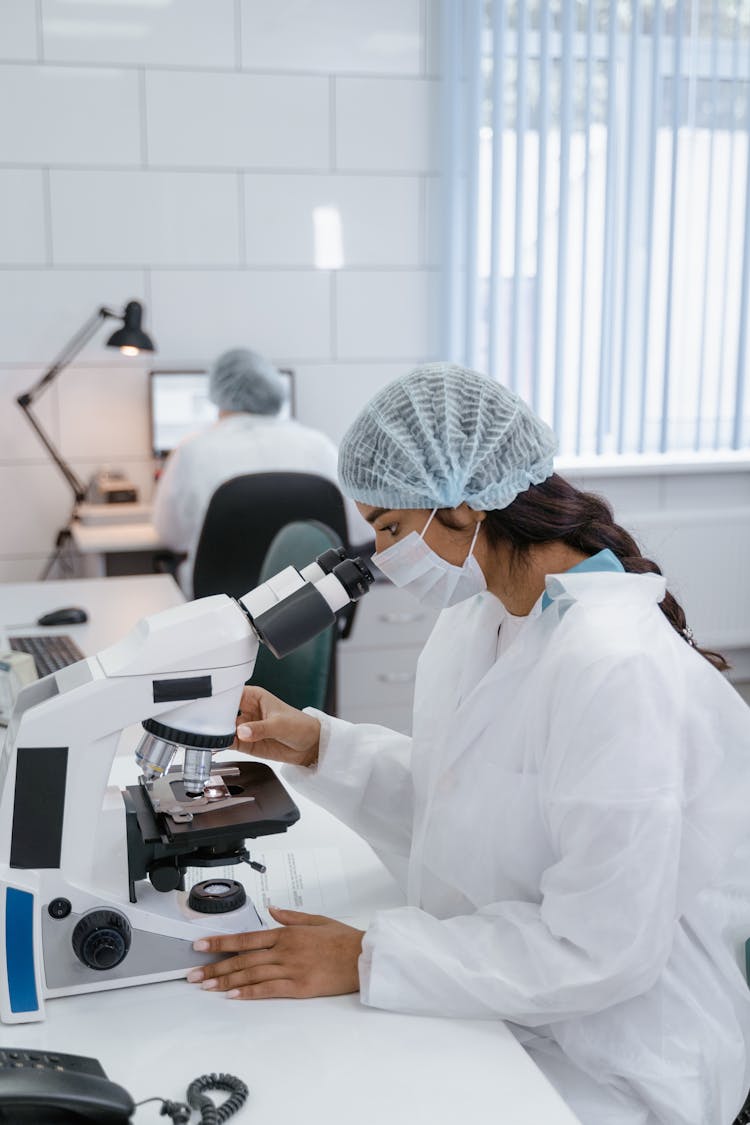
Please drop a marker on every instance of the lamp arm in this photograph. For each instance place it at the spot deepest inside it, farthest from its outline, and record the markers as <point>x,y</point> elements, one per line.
<point>69,352</point>
<point>79,488</point>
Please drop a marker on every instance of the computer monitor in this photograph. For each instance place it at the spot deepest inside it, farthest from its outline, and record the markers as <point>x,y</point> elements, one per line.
<point>179,405</point>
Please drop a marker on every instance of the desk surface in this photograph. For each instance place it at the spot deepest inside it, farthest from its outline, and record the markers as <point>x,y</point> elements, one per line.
<point>107,538</point>
<point>326,1059</point>
<point>114,605</point>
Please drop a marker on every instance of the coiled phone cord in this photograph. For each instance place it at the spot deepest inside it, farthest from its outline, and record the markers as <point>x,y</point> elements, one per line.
<point>210,1114</point>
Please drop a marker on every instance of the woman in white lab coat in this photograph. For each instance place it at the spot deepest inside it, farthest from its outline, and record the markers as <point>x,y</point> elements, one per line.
<point>571,816</point>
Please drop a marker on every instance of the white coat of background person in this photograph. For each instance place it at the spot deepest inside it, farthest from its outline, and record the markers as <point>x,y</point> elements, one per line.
<point>570,818</point>
<point>250,436</point>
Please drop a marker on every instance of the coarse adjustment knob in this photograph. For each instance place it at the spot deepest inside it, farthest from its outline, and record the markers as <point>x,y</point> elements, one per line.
<point>101,939</point>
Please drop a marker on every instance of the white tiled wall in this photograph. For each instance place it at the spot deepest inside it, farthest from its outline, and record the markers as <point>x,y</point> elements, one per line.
<point>334,36</point>
<point>183,153</point>
<point>380,219</point>
<point>387,125</point>
<point>192,33</point>
<point>163,218</point>
<point>22,239</point>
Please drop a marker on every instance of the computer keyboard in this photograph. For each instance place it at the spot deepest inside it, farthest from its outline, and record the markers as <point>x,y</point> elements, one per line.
<point>50,651</point>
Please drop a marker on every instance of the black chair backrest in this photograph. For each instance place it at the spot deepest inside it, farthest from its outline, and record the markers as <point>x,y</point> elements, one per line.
<point>243,517</point>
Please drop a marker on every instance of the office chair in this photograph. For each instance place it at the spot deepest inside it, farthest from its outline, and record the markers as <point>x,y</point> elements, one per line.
<point>243,517</point>
<point>305,677</point>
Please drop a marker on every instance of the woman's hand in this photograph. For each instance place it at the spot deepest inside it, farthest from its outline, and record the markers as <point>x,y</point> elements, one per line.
<point>309,956</point>
<point>269,728</point>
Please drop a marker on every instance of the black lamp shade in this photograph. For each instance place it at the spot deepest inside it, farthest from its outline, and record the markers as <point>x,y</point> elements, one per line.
<point>131,335</point>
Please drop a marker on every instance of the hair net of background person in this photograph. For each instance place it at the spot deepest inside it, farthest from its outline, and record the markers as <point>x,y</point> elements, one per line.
<point>443,435</point>
<point>243,381</point>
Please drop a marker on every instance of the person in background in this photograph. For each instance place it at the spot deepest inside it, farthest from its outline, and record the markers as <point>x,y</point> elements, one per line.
<point>249,437</point>
<point>570,820</point>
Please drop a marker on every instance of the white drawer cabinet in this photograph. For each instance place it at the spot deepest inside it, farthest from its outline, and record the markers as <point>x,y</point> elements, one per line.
<point>390,618</point>
<point>374,676</point>
<point>377,664</point>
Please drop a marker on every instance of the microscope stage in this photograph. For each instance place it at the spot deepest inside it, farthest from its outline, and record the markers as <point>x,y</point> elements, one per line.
<point>270,811</point>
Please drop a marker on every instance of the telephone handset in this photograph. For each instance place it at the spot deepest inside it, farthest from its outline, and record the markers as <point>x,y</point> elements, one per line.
<point>53,1088</point>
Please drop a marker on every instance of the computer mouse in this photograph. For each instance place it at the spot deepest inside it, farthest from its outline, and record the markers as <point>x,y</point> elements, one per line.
<point>70,615</point>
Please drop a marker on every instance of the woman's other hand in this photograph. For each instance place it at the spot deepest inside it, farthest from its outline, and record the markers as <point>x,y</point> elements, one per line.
<point>269,728</point>
<point>308,956</point>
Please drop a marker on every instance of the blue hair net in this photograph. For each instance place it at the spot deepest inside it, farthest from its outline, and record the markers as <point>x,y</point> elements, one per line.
<point>443,435</point>
<point>243,381</point>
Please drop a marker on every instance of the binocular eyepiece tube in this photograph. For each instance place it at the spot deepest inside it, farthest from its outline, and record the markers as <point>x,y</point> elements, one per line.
<point>311,607</point>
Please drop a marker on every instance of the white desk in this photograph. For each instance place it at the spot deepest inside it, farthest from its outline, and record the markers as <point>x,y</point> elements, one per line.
<point>329,1059</point>
<point>113,605</point>
<point>103,538</point>
<point>115,548</point>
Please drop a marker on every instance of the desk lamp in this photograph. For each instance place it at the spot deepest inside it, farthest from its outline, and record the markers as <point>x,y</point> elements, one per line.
<point>131,340</point>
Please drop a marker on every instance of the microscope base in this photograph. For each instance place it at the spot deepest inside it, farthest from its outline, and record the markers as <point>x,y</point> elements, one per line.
<point>42,910</point>
<point>38,925</point>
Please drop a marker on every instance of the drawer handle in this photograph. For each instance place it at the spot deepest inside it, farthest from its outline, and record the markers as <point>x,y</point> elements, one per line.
<point>400,618</point>
<point>396,677</point>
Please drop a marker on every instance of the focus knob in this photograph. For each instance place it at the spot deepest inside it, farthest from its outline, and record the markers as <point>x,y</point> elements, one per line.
<point>101,939</point>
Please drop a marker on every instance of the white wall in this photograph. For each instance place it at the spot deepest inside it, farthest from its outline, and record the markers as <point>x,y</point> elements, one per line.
<point>175,152</point>
<point>695,523</point>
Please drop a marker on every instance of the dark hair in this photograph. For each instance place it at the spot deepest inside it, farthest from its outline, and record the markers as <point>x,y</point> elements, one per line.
<point>556,510</point>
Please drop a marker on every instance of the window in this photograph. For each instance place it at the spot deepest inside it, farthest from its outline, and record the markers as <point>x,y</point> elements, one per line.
<point>597,188</point>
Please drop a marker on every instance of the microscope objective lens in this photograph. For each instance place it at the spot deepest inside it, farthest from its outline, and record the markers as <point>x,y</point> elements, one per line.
<point>196,771</point>
<point>154,755</point>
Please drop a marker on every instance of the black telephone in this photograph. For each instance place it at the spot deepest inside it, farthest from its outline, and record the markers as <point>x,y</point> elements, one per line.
<point>49,1088</point>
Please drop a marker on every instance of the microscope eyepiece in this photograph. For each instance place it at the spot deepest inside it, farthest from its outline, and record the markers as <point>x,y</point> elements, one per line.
<point>330,559</point>
<point>311,608</point>
<point>355,577</point>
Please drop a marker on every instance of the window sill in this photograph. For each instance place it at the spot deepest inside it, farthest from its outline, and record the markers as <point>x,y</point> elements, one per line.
<point>654,464</point>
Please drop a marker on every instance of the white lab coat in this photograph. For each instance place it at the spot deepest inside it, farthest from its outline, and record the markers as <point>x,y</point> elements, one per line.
<point>571,823</point>
<point>237,444</point>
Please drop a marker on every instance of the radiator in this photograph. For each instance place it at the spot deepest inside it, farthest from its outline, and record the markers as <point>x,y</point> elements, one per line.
<point>705,556</point>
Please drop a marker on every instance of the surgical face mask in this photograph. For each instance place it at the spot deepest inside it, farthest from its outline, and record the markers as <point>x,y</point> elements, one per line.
<point>412,565</point>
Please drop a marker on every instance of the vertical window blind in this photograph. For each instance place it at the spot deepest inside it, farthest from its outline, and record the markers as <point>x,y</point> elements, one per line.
<point>596,204</point>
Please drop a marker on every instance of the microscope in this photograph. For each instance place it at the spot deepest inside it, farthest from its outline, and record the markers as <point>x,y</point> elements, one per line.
<point>92,878</point>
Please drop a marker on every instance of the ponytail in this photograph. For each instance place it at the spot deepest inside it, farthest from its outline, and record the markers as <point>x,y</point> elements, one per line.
<point>556,510</point>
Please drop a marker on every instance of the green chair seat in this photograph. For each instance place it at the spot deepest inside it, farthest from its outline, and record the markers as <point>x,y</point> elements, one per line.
<point>303,678</point>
